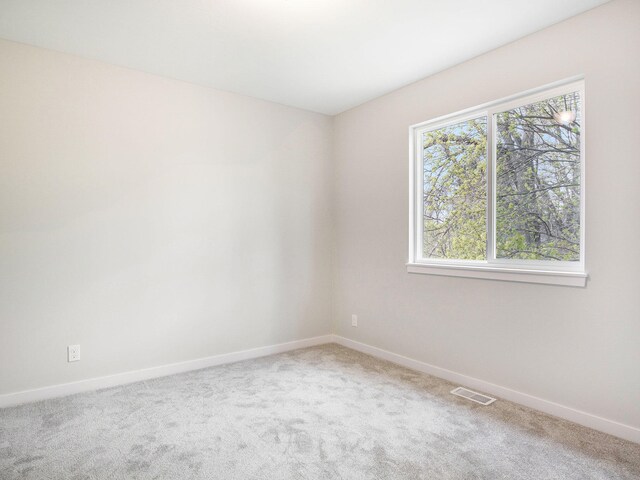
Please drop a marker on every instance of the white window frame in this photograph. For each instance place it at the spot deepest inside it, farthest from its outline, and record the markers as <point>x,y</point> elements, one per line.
<point>530,271</point>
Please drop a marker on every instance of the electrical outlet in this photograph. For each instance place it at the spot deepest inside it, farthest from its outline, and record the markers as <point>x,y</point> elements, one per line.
<point>73,353</point>
<point>354,320</point>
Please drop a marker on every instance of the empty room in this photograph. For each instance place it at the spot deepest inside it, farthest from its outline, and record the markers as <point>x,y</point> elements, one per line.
<point>319,239</point>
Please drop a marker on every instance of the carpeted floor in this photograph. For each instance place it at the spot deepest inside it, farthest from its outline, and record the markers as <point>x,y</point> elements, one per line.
<point>318,413</point>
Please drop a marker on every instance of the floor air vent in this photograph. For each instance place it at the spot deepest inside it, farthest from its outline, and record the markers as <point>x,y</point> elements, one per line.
<point>473,396</point>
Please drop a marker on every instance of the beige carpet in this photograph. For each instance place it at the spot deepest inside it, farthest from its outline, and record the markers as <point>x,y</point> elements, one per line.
<point>318,413</point>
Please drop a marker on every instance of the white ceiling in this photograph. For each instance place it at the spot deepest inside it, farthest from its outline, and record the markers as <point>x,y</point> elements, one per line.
<point>321,55</point>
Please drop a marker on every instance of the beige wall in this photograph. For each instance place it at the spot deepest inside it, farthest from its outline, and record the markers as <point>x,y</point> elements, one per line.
<point>578,347</point>
<point>151,221</point>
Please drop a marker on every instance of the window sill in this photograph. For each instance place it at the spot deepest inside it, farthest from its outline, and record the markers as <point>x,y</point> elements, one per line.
<point>548,277</point>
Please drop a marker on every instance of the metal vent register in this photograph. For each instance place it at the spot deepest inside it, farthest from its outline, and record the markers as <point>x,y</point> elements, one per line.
<point>473,396</point>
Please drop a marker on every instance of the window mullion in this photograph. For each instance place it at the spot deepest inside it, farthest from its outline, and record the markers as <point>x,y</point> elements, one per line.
<point>491,164</point>
<point>419,196</point>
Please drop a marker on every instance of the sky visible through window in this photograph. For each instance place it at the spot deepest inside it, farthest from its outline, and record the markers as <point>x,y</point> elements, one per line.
<point>538,180</point>
<point>455,191</point>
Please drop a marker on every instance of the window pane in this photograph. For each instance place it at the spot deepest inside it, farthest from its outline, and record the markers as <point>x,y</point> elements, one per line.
<point>538,180</point>
<point>455,191</point>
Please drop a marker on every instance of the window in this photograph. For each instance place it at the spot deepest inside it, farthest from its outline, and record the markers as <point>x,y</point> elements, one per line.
<point>498,190</point>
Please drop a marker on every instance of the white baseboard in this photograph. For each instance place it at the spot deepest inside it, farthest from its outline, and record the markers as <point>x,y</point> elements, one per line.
<point>583,418</point>
<point>65,389</point>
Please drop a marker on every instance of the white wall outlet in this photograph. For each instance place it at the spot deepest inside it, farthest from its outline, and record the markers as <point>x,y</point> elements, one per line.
<point>73,353</point>
<point>354,320</point>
